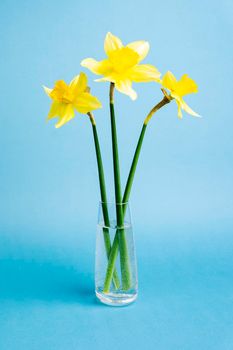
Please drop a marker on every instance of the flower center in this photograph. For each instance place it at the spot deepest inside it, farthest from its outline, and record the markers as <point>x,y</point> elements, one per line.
<point>61,92</point>
<point>123,59</point>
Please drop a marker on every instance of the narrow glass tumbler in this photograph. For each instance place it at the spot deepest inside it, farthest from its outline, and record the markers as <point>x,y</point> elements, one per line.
<point>116,281</point>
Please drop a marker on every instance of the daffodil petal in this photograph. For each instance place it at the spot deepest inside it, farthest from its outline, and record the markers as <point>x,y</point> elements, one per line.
<point>74,82</point>
<point>189,110</point>
<point>141,47</point>
<point>79,83</point>
<point>65,115</point>
<point>86,102</point>
<point>144,73</point>
<point>60,90</point>
<point>179,110</point>
<point>177,97</point>
<point>100,68</point>
<point>125,87</point>
<point>105,79</point>
<point>47,90</point>
<point>112,43</point>
<point>183,105</point>
<point>54,110</point>
<point>169,81</point>
<point>186,85</point>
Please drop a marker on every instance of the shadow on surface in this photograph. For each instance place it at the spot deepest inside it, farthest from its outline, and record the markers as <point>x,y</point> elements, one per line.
<point>46,281</point>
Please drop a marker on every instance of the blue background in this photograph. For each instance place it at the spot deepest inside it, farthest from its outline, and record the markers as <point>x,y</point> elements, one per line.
<point>182,199</point>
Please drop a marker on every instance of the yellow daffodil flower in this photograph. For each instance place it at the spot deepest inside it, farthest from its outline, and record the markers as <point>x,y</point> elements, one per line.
<point>179,89</point>
<point>122,65</point>
<point>68,98</point>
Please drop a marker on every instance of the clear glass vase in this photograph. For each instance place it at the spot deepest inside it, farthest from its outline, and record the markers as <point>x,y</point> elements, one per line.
<point>116,281</point>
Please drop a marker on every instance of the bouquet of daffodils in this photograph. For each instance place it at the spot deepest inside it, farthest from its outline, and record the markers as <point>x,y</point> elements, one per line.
<point>121,67</point>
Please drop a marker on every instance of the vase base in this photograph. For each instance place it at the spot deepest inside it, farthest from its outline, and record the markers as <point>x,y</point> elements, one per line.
<point>112,299</point>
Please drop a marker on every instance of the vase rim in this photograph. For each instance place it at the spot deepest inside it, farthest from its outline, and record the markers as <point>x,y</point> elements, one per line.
<point>114,203</point>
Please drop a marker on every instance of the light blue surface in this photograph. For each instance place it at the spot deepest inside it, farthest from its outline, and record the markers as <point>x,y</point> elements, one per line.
<point>182,200</point>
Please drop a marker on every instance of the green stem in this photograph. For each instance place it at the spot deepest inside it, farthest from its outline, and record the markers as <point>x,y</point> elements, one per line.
<point>107,240</point>
<point>111,263</point>
<point>115,246</point>
<point>124,257</point>
<point>133,167</point>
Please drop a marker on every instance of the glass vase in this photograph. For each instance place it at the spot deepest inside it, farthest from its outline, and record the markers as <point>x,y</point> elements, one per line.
<point>116,281</point>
